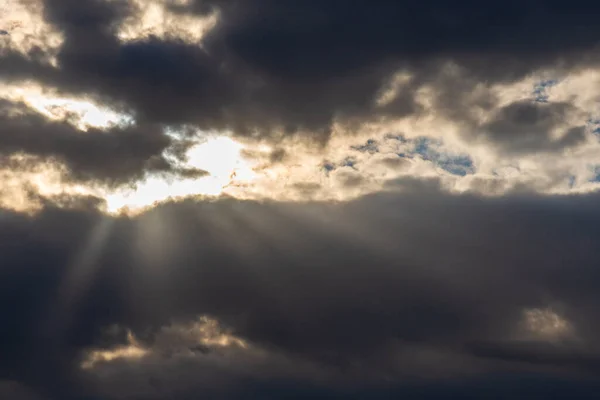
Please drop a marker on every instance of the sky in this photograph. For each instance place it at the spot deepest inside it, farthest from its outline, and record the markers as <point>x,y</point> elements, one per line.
<point>299,199</point>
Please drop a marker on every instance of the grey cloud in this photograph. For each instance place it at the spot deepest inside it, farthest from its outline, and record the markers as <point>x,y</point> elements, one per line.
<point>298,68</point>
<point>344,287</point>
<point>14,390</point>
<point>537,353</point>
<point>395,163</point>
<point>525,126</point>
<point>349,178</point>
<point>307,188</point>
<point>113,156</point>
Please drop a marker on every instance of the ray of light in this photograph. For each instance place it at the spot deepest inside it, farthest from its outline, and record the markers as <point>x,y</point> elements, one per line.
<point>156,237</point>
<point>79,274</point>
<point>232,230</point>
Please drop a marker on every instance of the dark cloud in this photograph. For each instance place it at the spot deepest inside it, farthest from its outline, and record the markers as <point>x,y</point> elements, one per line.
<point>394,162</point>
<point>540,353</point>
<point>114,156</point>
<point>306,188</point>
<point>385,287</point>
<point>350,178</point>
<point>525,126</point>
<point>325,39</point>
<point>277,155</point>
<point>272,67</point>
<point>13,390</point>
<point>86,16</point>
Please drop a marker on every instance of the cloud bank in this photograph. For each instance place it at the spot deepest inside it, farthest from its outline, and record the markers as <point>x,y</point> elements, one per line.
<point>406,288</point>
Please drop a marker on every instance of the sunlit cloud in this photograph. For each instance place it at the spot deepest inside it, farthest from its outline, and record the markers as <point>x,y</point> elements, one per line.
<point>86,113</point>
<point>220,157</point>
<point>83,113</point>
<point>546,324</point>
<point>154,18</point>
<point>344,168</point>
<point>197,337</point>
<point>26,29</point>
<point>24,180</point>
<point>131,351</point>
<point>203,331</point>
<point>390,91</point>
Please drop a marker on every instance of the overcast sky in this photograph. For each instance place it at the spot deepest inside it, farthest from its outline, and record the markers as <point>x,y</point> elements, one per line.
<point>299,199</point>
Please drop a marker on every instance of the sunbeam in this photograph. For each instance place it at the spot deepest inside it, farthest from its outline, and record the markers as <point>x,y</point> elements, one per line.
<point>79,275</point>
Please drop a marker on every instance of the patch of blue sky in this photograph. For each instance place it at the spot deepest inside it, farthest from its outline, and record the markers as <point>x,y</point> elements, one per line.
<point>396,136</point>
<point>594,125</point>
<point>328,167</point>
<point>595,173</point>
<point>349,162</point>
<point>540,93</point>
<point>430,150</point>
<point>370,146</point>
<point>457,165</point>
<point>426,147</point>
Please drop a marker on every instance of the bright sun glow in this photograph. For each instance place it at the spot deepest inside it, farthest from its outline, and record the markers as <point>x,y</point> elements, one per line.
<point>220,157</point>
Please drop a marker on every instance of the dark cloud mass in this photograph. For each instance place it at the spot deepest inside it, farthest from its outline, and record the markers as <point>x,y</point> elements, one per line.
<point>393,289</point>
<point>410,292</point>
<point>528,127</point>
<point>114,156</point>
<point>286,66</point>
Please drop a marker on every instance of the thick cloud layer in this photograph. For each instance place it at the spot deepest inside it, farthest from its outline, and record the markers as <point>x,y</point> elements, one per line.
<point>396,288</point>
<point>271,66</point>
